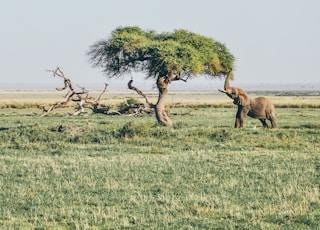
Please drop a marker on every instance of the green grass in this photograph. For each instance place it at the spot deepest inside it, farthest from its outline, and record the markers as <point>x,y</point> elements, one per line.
<point>114,172</point>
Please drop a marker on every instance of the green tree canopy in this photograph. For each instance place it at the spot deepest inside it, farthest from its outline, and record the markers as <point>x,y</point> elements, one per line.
<point>181,53</point>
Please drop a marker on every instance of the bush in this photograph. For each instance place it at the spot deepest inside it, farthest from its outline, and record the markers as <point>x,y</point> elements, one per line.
<point>132,129</point>
<point>130,101</point>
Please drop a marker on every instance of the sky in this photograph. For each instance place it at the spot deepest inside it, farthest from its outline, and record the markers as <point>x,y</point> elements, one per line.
<point>275,42</point>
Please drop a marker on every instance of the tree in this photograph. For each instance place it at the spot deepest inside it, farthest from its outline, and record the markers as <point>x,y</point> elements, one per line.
<point>165,57</point>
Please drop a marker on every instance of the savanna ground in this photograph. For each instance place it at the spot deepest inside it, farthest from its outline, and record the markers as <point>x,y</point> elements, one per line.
<point>116,172</point>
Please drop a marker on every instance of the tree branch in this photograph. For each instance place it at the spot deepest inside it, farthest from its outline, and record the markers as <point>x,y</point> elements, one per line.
<point>130,86</point>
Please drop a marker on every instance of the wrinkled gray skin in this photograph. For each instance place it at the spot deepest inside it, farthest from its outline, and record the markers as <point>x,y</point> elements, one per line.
<point>260,108</point>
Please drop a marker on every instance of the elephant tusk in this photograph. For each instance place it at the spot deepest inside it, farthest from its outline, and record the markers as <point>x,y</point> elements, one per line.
<point>222,91</point>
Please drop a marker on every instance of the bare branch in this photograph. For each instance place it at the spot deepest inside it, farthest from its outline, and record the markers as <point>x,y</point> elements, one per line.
<point>103,92</point>
<point>64,87</point>
<point>130,86</point>
<point>96,102</point>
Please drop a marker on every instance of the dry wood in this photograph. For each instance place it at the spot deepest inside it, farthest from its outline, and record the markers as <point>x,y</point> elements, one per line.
<point>81,98</point>
<point>84,100</point>
<point>130,86</point>
<point>140,108</point>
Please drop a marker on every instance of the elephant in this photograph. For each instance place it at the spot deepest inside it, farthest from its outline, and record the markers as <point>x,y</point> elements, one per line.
<point>260,108</point>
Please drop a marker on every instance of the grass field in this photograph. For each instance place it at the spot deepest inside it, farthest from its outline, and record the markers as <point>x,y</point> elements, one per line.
<point>116,172</point>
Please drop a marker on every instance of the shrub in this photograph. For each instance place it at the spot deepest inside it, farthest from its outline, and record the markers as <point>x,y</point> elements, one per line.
<point>132,129</point>
<point>129,101</point>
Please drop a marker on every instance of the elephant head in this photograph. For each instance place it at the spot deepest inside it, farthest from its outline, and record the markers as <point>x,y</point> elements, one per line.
<point>239,96</point>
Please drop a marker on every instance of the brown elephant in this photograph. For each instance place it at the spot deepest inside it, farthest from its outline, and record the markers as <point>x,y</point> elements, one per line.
<point>260,107</point>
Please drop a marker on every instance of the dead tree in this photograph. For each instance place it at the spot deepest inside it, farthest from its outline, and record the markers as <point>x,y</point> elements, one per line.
<point>97,107</point>
<point>81,98</point>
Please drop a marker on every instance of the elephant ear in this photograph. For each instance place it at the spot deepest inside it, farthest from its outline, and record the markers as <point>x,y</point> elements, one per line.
<point>243,98</point>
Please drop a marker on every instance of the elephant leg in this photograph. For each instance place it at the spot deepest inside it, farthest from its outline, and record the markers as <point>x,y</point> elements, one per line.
<point>238,123</point>
<point>241,122</point>
<point>264,123</point>
<point>241,113</point>
<point>273,123</point>
<point>272,118</point>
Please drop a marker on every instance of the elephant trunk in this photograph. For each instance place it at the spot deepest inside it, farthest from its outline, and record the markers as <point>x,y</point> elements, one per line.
<point>226,83</point>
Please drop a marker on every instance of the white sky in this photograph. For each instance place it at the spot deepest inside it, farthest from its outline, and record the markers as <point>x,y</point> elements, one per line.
<point>274,41</point>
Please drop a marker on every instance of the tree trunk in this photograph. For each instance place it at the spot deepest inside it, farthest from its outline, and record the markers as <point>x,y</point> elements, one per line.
<point>161,114</point>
